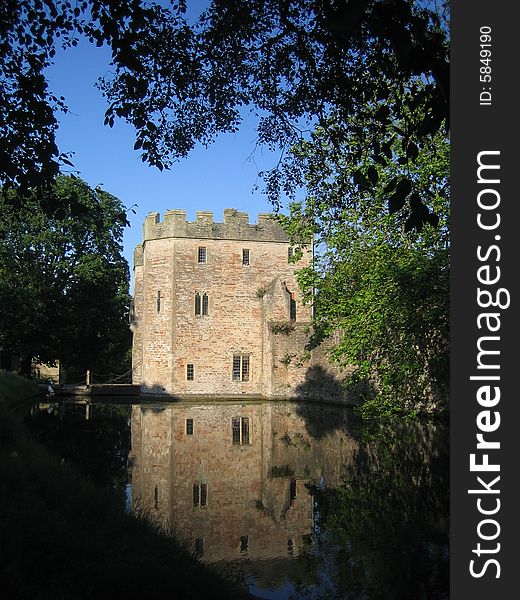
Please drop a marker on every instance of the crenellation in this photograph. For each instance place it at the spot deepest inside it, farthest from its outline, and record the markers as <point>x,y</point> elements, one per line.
<point>204,217</point>
<point>235,226</point>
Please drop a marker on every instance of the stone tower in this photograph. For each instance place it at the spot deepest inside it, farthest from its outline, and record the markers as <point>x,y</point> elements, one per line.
<point>217,310</point>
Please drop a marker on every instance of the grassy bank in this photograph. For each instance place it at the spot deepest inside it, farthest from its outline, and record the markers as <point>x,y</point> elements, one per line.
<point>63,537</point>
<point>16,392</point>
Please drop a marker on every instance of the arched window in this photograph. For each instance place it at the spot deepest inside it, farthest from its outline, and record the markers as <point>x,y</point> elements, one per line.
<point>201,304</point>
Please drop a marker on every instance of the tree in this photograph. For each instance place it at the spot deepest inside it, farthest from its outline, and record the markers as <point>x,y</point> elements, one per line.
<point>63,279</point>
<point>378,277</point>
<point>179,83</point>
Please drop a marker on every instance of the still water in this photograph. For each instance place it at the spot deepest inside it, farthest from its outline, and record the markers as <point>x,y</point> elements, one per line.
<point>290,501</point>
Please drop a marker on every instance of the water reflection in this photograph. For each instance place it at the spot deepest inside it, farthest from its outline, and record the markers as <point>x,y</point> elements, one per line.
<point>289,500</point>
<point>231,479</point>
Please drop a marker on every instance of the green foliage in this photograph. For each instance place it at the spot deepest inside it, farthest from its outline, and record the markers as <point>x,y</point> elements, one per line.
<point>379,278</point>
<point>294,63</point>
<point>182,83</point>
<point>281,327</point>
<point>63,279</point>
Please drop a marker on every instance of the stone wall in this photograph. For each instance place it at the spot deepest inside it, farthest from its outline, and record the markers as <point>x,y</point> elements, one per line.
<point>255,310</point>
<point>243,299</point>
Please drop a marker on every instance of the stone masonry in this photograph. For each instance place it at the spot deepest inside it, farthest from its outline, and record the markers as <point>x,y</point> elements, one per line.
<point>217,310</point>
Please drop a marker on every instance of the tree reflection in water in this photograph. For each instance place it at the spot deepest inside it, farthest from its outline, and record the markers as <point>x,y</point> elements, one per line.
<point>291,500</point>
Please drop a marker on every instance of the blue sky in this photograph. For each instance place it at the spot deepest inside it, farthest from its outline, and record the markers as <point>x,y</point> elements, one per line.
<point>222,176</point>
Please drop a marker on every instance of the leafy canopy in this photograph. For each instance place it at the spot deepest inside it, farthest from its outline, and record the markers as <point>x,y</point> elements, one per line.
<point>181,83</point>
<point>63,278</point>
<point>380,281</point>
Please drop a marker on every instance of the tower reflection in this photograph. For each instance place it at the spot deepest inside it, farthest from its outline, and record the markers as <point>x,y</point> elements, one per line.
<point>229,479</point>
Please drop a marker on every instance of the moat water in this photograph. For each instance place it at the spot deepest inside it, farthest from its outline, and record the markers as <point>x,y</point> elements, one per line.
<point>289,501</point>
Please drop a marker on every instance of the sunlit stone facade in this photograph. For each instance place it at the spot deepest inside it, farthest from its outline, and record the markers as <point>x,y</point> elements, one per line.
<point>217,310</point>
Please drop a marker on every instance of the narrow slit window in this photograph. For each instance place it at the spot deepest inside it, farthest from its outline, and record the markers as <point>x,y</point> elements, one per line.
<point>245,368</point>
<point>290,253</point>
<point>189,426</point>
<point>235,425</point>
<point>199,547</point>
<point>202,255</point>
<point>244,543</point>
<point>292,490</point>
<point>205,304</point>
<point>203,494</point>
<point>196,495</point>
<point>236,367</point>
<point>131,312</point>
<point>158,301</point>
<point>156,497</point>
<point>190,372</point>
<point>245,430</point>
<point>197,304</point>
<point>245,257</point>
<point>292,309</point>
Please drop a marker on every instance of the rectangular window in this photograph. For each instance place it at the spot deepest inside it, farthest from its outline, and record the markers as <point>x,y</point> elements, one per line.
<point>200,495</point>
<point>244,543</point>
<point>235,425</point>
<point>245,368</point>
<point>240,430</point>
<point>189,426</point>
<point>202,254</point>
<point>190,372</point>
<point>236,367</point>
<point>245,430</point>
<point>241,367</point>
<point>245,257</point>
<point>290,253</point>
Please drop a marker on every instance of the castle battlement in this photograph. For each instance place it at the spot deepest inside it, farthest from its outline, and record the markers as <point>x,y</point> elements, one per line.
<point>236,226</point>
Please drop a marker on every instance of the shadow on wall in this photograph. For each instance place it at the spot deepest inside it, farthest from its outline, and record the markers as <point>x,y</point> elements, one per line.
<point>157,392</point>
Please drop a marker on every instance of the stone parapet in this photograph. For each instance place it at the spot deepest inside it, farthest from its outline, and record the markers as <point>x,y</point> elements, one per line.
<point>236,226</point>
<point>138,256</point>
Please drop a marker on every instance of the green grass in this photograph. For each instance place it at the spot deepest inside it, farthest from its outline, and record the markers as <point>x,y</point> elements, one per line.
<point>16,392</point>
<point>65,538</point>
